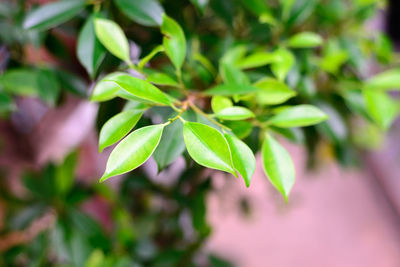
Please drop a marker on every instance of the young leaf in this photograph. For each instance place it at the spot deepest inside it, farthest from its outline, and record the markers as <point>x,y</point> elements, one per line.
<point>305,40</point>
<point>387,80</point>
<point>50,15</point>
<point>256,60</point>
<point>234,113</point>
<point>145,12</point>
<point>89,50</point>
<point>278,166</point>
<point>207,146</point>
<point>298,116</point>
<point>242,157</point>
<point>147,58</point>
<point>161,79</point>
<point>174,41</point>
<point>272,92</point>
<point>117,127</point>
<point>133,151</point>
<point>140,88</point>
<point>284,61</point>
<point>106,90</point>
<point>220,102</point>
<point>380,107</point>
<point>171,145</point>
<point>112,37</point>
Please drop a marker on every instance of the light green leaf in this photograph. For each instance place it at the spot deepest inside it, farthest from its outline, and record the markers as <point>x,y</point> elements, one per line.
<point>117,127</point>
<point>272,92</point>
<point>89,50</point>
<point>284,61</point>
<point>278,166</point>
<point>50,15</point>
<point>171,145</point>
<point>333,60</point>
<point>20,82</point>
<point>257,59</point>
<point>174,41</point>
<point>112,37</point>
<point>235,114</point>
<point>305,40</point>
<point>387,80</point>
<point>161,79</point>
<point>207,146</point>
<point>147,58</point>
<point>140,88</point>
<point>220,102</point>
<point>242,157</point>
<point>145,12</point>
<point>133,151</point>
<point>231,89</point>
<point>380,107</point>
<point>106,90</point>
<point>298,116</point>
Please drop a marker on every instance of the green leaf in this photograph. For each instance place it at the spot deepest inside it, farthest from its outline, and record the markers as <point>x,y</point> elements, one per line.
<point>231,89</point>
<point>257,59</point>
<point>161,79</point>
<point>171,145</point>
<point>305,40</point>
<point>133,151</point>
<point>242,157</point>
<point>387,80</point>
<point>207,146</point>
<point>380,107</point>
<point>174,41</point>
<point>105,89</point>
<point>200,4</point>
<point>117,127</point>
<point>145,12</point>
<point>49,86</point>
<point>241,129</point>
<point>50,15</point>
<point>232,75</point>
<point>298,116</point>
<point>20,82</point>
<point>6,103</point>
<point>272,92</point>
<point>112,37</point>
<point>235,113</point>
<point>278,166</point>
<point>284,61</point>
<point>140,88</point>
<point>147,58</point>
<point>218,103</point>
<point>89,50</point>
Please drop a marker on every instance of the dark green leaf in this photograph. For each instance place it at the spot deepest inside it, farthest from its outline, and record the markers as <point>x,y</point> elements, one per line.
<point>133,151</point>
<point>49,86</point>
<point>278,166</point>
<point>89,50</point>
<point>117,127</point>
<point>145,12</point>
<point>52,14</point>
<point>207,146</point>
<point>171,145</point>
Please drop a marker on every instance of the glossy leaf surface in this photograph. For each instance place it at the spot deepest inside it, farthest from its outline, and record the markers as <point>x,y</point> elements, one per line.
<point>174,41</point>
<point>145,12</point>
<point>234,113</point>
<point>298,116</point>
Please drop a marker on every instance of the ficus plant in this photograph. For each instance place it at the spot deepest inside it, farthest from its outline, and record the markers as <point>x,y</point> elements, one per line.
<point>215,82</point>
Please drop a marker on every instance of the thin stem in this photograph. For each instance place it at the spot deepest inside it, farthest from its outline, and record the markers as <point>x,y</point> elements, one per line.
<point>208,117</point>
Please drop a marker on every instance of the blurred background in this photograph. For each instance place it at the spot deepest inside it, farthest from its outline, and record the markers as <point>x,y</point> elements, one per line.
<point>344,210</point>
